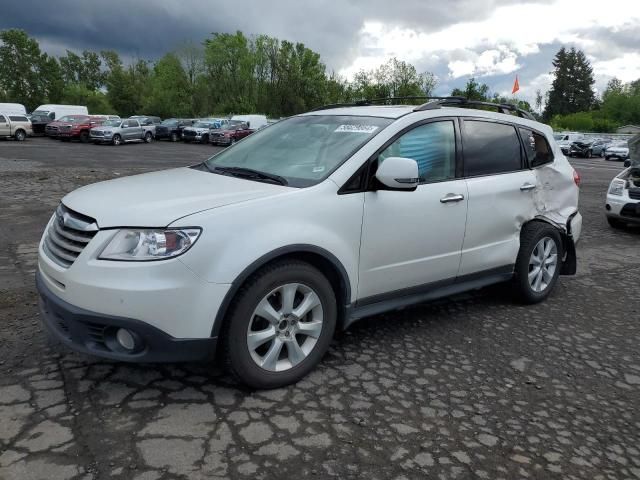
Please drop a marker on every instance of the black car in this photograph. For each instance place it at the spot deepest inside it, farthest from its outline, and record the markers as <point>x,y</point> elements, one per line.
<point>171,128</point>
<point>39,121</point>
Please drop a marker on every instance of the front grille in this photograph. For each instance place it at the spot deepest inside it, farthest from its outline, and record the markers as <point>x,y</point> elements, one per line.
<point>97,133</point>
<point>50,129</point>
<point>67,236</point>
<point>188,133</point>
<point>96,332</point>
<point>634,193</point>
<point>217,135</point>
<point>65,128</point>
<point>630,210</point>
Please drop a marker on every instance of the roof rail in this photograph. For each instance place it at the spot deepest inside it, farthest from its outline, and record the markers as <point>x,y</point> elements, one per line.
<point>435,102</point>
<point>505,108</point>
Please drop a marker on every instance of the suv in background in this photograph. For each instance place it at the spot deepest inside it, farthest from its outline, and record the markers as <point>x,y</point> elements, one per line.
<point>16,126</point>
<point>228,135</point>
<point>265,250</point>
<point>172,128</point>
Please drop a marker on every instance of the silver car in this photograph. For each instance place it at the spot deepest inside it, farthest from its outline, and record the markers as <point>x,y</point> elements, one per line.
<point>118,132</point>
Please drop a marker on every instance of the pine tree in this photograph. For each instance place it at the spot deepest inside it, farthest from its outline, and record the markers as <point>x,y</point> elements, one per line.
<point>572,87</point>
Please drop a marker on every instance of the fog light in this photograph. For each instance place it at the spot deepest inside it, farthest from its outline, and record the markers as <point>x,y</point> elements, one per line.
<point>608,207</point>
<point>125,339</point>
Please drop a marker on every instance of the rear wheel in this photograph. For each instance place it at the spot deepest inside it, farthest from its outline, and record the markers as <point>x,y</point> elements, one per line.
<point>117,139</point>
<point>20,135</point>
<point>280,325</point>
<point>589,154</point>
<point>84,137</point>
<point>204,139</point>
<point>148,137</point>
<point>601,153</point>
<point>538,263</point>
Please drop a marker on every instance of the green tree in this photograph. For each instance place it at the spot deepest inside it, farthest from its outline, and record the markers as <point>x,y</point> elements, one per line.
<point>572,87</point>
<point>85,70</point>
<point>472,90</point>
<point>20,63</point>
<point>79,94</point>
<point>127,87</point>
<point>168,89</point>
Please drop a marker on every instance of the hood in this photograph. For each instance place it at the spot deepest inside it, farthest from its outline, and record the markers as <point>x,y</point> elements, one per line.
<point>618,149</point>
<point>159,198</point>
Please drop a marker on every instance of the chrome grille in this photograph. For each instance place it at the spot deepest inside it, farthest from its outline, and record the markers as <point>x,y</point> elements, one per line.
<point>67,236</point>
<point>634,193</point>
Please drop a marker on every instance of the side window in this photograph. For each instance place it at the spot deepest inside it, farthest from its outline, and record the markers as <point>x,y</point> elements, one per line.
<point>432,146</point>
<point>490,148</point>
<point>52,115</point>
<point>17,118</point>
<point>2,119</point>
<point>536,148</point>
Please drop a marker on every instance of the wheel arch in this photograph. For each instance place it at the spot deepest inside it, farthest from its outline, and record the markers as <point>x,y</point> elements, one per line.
<point>320,258</point>
<point>569,261</point>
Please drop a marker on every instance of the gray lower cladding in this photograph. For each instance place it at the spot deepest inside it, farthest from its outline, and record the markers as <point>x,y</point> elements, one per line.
<point>95,334</point>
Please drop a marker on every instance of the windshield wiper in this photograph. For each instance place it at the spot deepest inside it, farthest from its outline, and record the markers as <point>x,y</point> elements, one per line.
<point>252,174</point>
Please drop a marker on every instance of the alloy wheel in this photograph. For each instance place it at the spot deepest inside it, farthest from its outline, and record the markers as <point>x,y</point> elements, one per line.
<point>543,264</point>
<point>285,327</point>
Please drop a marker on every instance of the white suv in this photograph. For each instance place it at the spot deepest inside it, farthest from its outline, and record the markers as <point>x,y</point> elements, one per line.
<point>269,247</point>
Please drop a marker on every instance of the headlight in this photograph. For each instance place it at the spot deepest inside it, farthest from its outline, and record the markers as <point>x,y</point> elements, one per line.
<point>145,245</point>
<point>617,187</point>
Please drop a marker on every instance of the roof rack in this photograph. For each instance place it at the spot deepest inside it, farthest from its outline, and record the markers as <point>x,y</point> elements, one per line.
<point>505,108</point>
<point>434,103</point>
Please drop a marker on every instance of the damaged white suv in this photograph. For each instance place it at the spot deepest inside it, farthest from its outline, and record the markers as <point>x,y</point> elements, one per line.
<point>263,251</point>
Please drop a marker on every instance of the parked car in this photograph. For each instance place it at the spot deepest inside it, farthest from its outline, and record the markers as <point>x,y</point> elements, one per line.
<point>53,129</point>
<point>16,126</point>
<point>586,148</point>
<point>253,121</point>
<point>234,131</point>
<point>199,131</point>
<point>268,248</point>
<point>118,132</point>
<point>171,128</point>
<point>565,140</point>
<point>617,150</point>
<point>78,127</point>
<point>623,198</point>
<point>47,113</point>
<point>13,109</point>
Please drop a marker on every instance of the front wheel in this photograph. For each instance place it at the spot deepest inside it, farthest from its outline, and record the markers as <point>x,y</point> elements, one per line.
<point>116,140</point>
<point>280,325</point>
<point>174,137</point>
<point>84,137</point>
<point>20,135</point>
<point>538,263</point>
<point>148,137</point>
<point>601,153</point>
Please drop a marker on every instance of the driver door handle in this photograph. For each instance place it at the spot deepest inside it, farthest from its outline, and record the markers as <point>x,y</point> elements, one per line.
<point>452,197</point>
<point>527,186</point>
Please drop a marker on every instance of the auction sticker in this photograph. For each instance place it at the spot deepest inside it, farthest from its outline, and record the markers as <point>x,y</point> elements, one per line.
<point>356,128</point>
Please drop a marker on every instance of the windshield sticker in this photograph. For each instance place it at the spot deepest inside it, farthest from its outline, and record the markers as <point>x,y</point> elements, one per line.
<point>319,169</point>
<point>356,129</point>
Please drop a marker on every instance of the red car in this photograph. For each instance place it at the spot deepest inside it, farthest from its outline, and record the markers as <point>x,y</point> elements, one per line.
<point>74,127</point>
<point>230,133</point>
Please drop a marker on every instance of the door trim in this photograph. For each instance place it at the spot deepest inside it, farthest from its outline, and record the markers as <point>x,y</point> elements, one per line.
<point>384,302</point>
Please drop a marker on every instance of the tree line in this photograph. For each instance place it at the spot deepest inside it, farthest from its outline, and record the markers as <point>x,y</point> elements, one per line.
<point>227,73</point>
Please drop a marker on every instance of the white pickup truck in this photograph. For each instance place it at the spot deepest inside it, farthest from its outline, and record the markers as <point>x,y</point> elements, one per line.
<point>14,125</point>
<point>118,132</point>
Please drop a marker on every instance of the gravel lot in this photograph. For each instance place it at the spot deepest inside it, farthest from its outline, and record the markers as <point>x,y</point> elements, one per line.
<point>471,387</point>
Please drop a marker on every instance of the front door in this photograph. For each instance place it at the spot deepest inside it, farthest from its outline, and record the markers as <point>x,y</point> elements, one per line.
<point>5,130</point>
<point>414,239</point>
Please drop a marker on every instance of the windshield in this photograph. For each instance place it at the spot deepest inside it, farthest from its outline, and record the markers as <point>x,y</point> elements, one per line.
<point>203,125</point>
<point>620,144</point>
<point>112,123</point>
<point>72,119</point>
<point>170,123</point>
<point>302,150</point>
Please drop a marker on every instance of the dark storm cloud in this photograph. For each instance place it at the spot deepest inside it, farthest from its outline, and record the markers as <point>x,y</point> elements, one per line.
<point>147,29</point>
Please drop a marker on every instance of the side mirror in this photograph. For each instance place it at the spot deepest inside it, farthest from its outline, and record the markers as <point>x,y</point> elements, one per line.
<point>627,163</point>
<point>398,173</point>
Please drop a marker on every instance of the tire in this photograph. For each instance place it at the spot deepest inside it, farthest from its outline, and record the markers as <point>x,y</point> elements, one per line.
<point>601,154</point>
<point>289,365</point>
<point>233,141</point>
<point>20,135</point>
<point>607,158</point>
<point>616,223</point>
<point>116,140</point>
<point>589,154</point>
<point>173,137</point>
<point>204,139</point>
<point>535,236</point>
<point>84,137</point>
<point>148,137</point>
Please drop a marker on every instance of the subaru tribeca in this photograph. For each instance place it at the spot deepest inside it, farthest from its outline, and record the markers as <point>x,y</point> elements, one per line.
<point>264,251</point>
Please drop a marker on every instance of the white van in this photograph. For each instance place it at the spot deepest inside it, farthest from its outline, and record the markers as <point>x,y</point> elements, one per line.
<point>54,112</point>
<point>13,109</point>
<point>254,121</point>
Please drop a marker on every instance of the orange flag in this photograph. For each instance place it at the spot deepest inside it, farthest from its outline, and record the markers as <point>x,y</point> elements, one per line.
<point>516,85</point>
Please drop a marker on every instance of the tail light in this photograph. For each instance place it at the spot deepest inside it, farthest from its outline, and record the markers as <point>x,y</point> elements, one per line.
<point>576,178</point>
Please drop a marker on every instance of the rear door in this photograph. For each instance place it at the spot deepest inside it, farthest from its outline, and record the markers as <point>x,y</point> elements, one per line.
<point>5,128</point>
<point>411,241</point>
<point>501,195</point>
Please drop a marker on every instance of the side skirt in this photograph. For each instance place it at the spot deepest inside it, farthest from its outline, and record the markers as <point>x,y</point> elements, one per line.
<point>425,293</point>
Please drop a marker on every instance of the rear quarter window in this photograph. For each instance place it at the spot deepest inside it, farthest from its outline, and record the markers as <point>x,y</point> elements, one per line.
<point>490,148</point>
<point>18,118</point>
<point>536,148</point>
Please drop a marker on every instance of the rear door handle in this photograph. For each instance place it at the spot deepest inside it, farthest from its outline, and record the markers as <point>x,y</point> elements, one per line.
<point>527,186</point>
<point>452,197</point>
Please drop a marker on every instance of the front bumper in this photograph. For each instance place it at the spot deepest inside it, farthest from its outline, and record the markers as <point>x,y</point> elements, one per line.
<point>623,207</point>
<point>621,156</point>
<point>94,334</point>
<point>221,141</point>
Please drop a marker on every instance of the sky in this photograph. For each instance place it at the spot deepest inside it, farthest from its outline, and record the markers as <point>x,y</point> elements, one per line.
<point>492,40</point>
